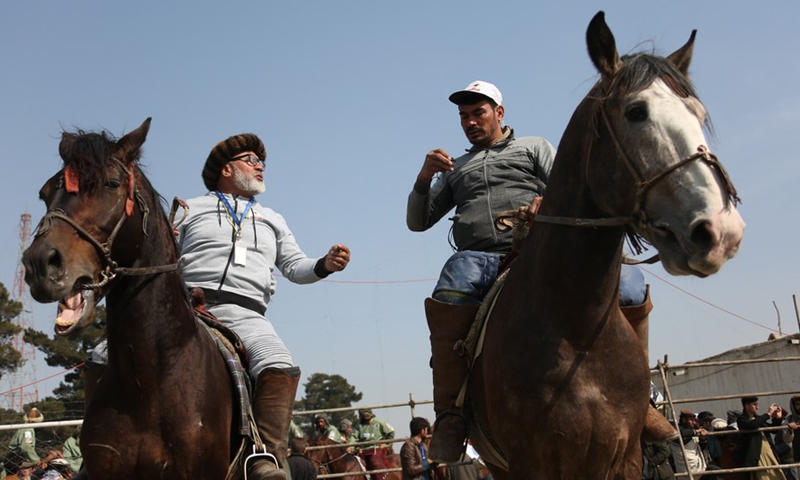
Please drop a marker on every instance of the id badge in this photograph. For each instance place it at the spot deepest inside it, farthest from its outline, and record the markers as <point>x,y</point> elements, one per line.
<point>240,254</point>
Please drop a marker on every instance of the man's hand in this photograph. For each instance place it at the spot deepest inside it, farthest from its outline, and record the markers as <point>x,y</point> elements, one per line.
<point>337,258</point>
<point>435,161</point>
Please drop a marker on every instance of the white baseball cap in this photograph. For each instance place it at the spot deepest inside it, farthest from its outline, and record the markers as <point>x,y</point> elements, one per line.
<point>478,87</point>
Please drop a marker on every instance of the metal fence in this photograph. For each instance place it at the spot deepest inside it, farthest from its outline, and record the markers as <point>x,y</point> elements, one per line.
<point>726,370</point>
<point>51,435</point>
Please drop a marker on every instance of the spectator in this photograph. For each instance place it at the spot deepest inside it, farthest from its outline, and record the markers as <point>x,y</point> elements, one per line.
<point>756,448</point>
<point>24,472</point>
<point>370,428</point>
<point>413,453</point>
<point>712,445</point>
<point>793,420</point>
<point>300,466</point>
<point>295,431</point>
<point>72,450</point>
<point>347,432</point>
<point>733,415</point>
<point>56,469</point>
<point>690,434</point>
<point>22,447</point>
<point>656,464</point>
<point>782,440</point>
<point>323,429</point>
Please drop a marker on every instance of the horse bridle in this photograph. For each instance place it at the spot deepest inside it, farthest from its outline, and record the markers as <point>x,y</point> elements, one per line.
<point>638,217</point>
<point>111,269</point>
<point>324,465</point>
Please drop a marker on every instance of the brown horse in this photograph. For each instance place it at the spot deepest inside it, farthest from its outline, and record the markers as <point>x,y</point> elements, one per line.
<point>561,387</point>
<point>335,459</point>
<point>163,408</point>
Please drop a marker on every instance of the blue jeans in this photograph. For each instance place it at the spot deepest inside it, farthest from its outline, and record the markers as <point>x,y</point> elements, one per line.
<point>467,276</point>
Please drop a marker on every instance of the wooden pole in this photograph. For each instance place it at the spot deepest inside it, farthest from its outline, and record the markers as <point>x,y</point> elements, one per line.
<point>780,333</point>
<point>796,311</point>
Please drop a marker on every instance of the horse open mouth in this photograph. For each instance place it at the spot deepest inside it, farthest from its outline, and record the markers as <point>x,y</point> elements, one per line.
<point>78,305</point>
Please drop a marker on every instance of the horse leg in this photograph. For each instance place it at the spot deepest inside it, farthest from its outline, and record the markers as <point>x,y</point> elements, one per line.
<point>656,427</point>
<point>448,324</point>
<point>274,399</point>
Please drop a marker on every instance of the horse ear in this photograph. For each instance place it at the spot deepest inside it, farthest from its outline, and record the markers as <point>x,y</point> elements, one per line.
<point>129,145</point>
<point>602,47</point>
<point>682,57</point>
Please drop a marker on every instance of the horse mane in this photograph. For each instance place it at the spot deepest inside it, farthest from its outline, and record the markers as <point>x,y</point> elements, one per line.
<point>639,70</point>
<point>87,153</point>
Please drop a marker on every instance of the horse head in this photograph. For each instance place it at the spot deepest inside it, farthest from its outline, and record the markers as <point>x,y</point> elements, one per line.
<point>647,119</point>
<point>320,457</point>
<point>86,236</point>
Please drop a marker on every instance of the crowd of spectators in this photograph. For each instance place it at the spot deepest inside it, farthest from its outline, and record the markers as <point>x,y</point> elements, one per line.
<point>745,438</point>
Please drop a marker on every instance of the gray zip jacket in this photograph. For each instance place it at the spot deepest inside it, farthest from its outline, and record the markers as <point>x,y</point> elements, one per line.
<point>206,241</point>
<point>484,182</point>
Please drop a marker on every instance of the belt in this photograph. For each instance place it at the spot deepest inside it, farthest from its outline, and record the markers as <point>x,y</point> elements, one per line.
<point>218,297</point>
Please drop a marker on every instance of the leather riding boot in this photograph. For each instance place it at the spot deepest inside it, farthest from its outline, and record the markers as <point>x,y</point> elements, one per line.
<point>656,427</point>
<point>448,323</point>
<point>272,408</point>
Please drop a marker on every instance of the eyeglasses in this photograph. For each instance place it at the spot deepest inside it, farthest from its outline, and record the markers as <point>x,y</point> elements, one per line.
<point>250,159</point>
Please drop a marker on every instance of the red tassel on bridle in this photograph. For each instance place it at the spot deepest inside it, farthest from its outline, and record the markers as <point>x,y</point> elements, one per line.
<point>129,201</point>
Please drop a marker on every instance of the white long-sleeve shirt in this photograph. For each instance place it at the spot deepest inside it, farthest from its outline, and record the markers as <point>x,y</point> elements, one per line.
<point>207,239</point>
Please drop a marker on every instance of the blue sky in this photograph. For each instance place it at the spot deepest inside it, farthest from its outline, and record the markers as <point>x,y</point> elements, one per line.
<point>348,97</point>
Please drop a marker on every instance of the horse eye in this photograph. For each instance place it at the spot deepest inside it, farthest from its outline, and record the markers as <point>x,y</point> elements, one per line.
<point>636,112</point>
<point>113,184</point>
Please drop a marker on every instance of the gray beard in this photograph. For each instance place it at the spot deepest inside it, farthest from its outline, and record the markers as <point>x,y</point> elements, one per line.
<point>247,184</point>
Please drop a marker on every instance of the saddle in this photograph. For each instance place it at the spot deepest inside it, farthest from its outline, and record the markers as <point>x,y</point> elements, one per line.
<point>233,352</point>
<point>232,340</point>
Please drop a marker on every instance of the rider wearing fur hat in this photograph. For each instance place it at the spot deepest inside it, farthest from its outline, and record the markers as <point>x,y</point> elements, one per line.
<point>22,447</point>
<point>229,245</point>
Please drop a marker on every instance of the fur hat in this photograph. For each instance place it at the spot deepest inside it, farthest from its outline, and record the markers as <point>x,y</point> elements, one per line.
<point>33,416</point>
<point>365,414</point>
<point>225,150</point>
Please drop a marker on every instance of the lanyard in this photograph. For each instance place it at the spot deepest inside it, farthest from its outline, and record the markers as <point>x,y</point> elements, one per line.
<point>232,212</point>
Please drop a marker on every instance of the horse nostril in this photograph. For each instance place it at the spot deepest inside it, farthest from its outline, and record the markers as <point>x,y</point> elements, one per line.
<point>703,235</point>
<point>54,263</point>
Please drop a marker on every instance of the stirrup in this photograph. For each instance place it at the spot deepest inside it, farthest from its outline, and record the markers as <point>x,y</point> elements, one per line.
<point>256,455</point>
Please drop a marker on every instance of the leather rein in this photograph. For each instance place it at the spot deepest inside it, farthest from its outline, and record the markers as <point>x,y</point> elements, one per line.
<point>325,466</point>
<point>111,269</point>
